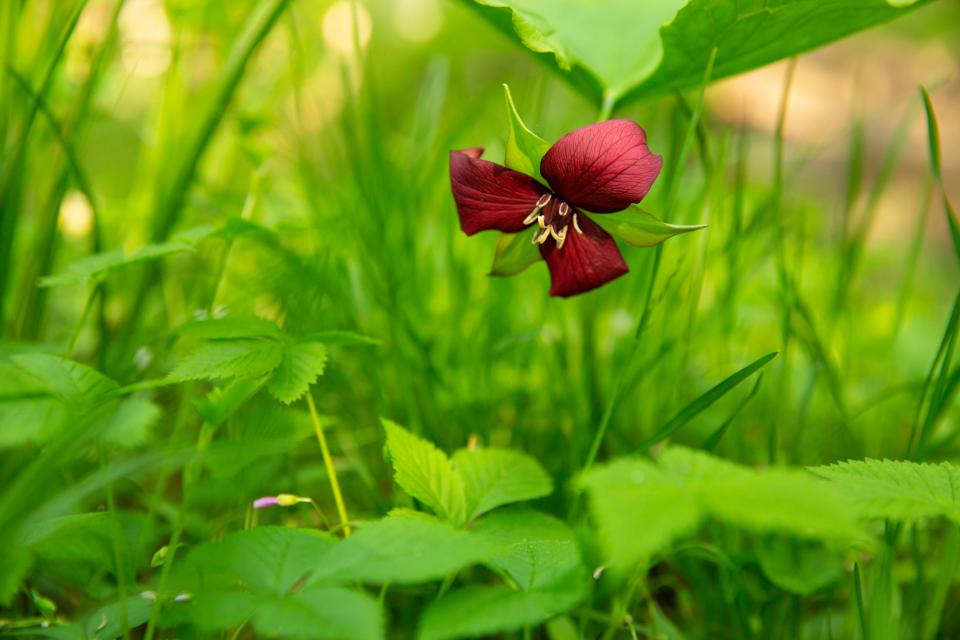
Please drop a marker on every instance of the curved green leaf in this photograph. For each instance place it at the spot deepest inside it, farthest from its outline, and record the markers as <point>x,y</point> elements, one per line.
<point>425,473</point>
<point>640,228</point>
<point>630,50</point>
<point>494,477</point>
<point>525,149</point>
<point>515,252</point>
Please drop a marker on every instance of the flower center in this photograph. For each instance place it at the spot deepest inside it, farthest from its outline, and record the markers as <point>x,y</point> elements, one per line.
<point>554,217</point>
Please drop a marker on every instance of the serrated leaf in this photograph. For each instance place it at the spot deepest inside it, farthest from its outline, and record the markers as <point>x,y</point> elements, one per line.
<point>425,473</point>
<point>245,358</point>
<point>514,254</point>
<point>494,477</point>
<point>485,610</point>
<point>302,363</point>
<point>640,228</point>
<point>638,509</point>
<point>525,149</point>
<point>898,490</point>
<point>265,559</point>
<point>231,327</point>
<point>778,499</point>
<point>318,612</point>
<point>536,549</point>
<point>406,547</point>
<point>325,613</point>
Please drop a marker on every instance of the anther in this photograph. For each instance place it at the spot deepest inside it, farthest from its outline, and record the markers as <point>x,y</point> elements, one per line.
<point>540,236</point>
<point>543,201</point>
<point>564,208</point>
<point>562,237</point>
<point>576,225</point>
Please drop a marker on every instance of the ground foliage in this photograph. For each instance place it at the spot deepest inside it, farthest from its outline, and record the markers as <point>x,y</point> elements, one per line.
<point>754,434</point>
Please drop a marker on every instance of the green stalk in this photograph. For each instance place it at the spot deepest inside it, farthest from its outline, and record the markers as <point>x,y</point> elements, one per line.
<point>12,170</point>
<point>328,463</point>
<point>170,206</point>
<point>786,293</point>
<point>32,299</point>
<point>647,307</point>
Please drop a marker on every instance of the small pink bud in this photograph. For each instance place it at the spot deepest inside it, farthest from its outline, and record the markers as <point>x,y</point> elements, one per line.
<point>268,501</point>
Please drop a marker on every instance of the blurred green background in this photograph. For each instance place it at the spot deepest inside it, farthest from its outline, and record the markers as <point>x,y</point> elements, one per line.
<point>336,141</point>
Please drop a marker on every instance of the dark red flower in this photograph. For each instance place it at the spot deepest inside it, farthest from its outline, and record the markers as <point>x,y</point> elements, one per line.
<point>601,168</point>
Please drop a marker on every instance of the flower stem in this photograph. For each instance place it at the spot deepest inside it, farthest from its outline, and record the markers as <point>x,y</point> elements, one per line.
<point>328,463</point>
<point>606,107</point>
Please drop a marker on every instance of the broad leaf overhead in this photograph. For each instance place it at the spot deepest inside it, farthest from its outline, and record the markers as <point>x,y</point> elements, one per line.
<point>632,50</point>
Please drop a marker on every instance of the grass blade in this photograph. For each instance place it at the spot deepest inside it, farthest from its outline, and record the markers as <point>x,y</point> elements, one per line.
<point>693,409</point>
<point>933,136</point>
<point>710,444</point>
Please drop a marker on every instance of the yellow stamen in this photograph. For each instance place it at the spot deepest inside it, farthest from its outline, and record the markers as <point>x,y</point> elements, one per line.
<point>562,237</point>
<point>576,225</point>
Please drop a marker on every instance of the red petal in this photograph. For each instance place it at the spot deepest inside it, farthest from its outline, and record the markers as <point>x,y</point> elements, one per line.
<point>603,167</point>
<point>490,196</point>
<point>584,262</point>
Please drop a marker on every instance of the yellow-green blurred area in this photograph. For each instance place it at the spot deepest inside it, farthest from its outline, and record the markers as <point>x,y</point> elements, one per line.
<point>168,162</point>
<point>336,138</point>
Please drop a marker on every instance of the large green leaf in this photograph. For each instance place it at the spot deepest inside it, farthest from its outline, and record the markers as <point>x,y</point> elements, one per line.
<point>485,610</point>
<point>539,553</point>
<point>778,499</point>
<point>257,575</point>
<point>640,507</point>
<point>494,477</point>
<point>317,612</point>
<point>425,473</point>
<point>266,559</point>
<point>405,547</point>
<point>535,549</point>
<point>626,50</point>
<point>898,490</point>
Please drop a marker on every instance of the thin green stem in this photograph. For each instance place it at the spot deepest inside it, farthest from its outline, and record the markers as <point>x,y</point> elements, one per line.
<point>606,106</point>
<point>75,335</point>
<point>118,559</point>
<point>328,463</point>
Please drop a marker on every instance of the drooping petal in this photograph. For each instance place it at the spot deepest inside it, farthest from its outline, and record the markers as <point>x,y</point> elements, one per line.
<point>584,262</point>
<point>602,167</point>
<point>490,196</point>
